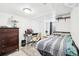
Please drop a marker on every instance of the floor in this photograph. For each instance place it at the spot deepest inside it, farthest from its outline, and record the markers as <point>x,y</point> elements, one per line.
<point>18,53</point>
<point>26,51</point>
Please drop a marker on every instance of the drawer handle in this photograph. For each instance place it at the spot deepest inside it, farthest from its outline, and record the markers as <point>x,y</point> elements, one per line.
<point>3,40</point>
<point>3,51</point>
<point>3,45</point>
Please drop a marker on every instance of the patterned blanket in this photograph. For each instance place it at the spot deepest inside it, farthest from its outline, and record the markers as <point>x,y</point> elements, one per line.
<point>55,45</point>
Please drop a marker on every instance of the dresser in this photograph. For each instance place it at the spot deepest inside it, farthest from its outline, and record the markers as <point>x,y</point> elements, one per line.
<point>9,40</point>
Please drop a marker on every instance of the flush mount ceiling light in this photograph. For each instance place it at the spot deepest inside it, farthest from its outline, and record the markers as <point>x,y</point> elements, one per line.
<point>27,10</point>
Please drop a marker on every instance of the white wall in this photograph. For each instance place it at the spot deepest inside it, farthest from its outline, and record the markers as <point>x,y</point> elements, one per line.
<point>44,22</point>
<point>75,25</point>
<point>44,25</point>
<point>63,25</point>
<point>23,24</point>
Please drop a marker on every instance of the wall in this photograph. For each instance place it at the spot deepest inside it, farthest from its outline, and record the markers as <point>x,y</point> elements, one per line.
<point>75,25</point>
<point>44,22</point>
<point>44,25</point>
<point>23,24</point>
<point>63,25</point>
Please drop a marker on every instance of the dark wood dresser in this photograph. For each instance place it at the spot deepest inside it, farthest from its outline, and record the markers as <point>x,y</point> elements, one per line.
<point>9,40</point>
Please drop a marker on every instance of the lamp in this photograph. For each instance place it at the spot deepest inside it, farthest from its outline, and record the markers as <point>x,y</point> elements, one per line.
<point>12,22</point>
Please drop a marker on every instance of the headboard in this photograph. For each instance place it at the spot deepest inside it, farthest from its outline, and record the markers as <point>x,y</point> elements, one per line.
<point>61,32</point>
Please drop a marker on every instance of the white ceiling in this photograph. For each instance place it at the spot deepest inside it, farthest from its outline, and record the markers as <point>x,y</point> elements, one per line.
<point>38,9</point>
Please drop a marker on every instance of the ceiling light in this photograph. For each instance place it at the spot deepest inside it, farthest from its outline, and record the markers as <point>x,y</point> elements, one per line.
<point>27,10</point>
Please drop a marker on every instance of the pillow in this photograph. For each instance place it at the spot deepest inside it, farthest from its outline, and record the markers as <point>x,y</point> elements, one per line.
<point>70,49</point>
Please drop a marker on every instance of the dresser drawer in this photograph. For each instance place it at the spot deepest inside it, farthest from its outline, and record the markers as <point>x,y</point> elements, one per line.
<point>9,49</point>
<point>8,30</point>
<point>9,43</point>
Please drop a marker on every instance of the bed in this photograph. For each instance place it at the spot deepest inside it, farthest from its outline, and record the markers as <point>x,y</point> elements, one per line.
<point>58,44</point>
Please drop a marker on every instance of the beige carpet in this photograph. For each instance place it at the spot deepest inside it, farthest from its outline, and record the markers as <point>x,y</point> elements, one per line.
<point>26,51</point>
<point>18,53</point>
<point>31,51</point>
